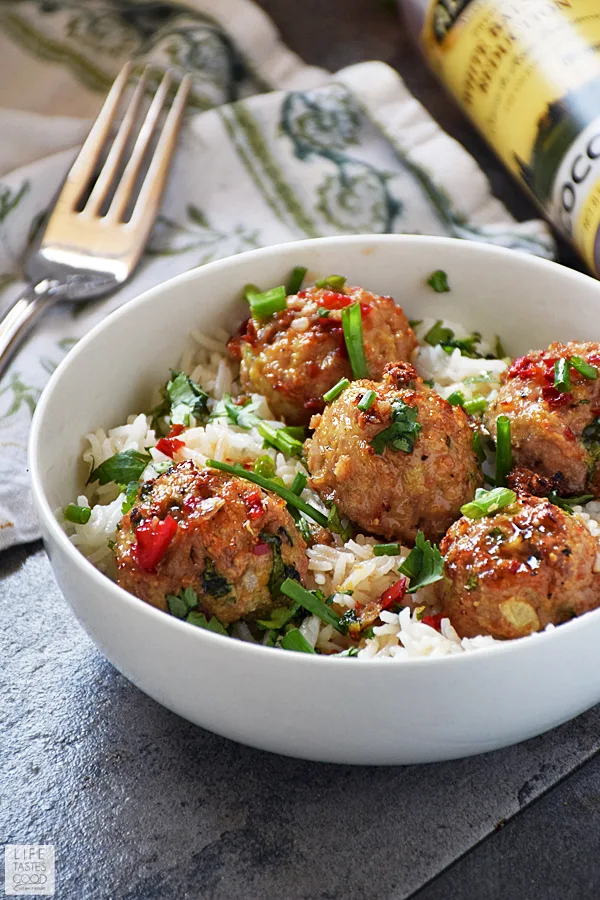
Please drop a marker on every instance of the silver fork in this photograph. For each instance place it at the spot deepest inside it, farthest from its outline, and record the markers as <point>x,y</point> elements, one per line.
<point>84,254</point>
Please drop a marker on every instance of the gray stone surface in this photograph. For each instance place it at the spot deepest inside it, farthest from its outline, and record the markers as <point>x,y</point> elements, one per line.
<point>142,805</point>
<point>548,852</point>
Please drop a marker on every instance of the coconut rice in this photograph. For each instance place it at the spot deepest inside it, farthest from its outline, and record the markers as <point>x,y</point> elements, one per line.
<point>348,570</point>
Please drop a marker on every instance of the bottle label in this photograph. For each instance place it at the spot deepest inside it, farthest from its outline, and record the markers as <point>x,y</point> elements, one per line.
<point>527,72</point>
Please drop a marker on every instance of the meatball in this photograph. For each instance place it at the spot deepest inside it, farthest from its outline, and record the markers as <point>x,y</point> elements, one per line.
<point>512,573</point>
<point>297,355</point>
<point>405,464</point>
<point>554,434</point>
<point>229,541</point>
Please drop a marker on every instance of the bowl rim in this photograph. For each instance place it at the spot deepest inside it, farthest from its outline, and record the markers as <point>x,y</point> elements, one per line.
<point>87,569</point>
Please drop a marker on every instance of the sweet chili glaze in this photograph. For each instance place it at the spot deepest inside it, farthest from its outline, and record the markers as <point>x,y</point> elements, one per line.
<point>549,427</point>
<point>514,572</point>
<point>297,355</point>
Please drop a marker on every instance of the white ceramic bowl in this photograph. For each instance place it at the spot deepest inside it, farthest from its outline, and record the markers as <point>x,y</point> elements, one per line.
<point>335,710</point>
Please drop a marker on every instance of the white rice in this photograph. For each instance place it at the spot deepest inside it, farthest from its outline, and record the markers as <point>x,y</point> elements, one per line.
<point>348,570</point>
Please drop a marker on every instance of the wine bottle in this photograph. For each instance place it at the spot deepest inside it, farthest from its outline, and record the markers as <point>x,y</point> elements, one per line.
<point>527,73</point>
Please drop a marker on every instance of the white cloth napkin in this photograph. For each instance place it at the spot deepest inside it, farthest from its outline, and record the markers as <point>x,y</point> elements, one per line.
<point>272,150</point>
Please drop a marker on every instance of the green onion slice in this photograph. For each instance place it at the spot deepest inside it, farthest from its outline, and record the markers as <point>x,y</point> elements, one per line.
<point>353,335</point>
<point>567,503</point>
<point>478,447</point>
<point>366,401</point>
<point>295,280</point>
<point>503,450</point>
<point>307,508</point>
<point>299,483</point>
<point>386,550</point>
<point>265,304</point>
<point>583,367</point>
<point>80,515</point>
<point>456,398</point>
<point>280,439</point>
<point>562,376</point>
<point>309,601</point>
<point>488,502</point>
<point>264,466</point>
<point>295,640</point>
<point>336,390</point>
<point>335,282</point>
<point>475,406</point>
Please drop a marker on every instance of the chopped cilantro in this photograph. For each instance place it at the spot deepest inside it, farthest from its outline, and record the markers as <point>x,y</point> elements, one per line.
<point>423,565</point>
<point>212,582</point>
<point>471,582</point>
<point>278,617</point>
<point>182,398</point>
<point>440,335</point>
<point>122,468</point>
<point>212,624</point>
<point>438,280</point>
<point>403,431</point>
<point>180,604</point>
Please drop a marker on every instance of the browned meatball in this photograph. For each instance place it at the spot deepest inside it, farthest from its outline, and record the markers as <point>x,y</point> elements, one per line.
<point>297,355</point>
<point>225,538</point>
<point>553,433</point>
<point>404,465</point>
<point>514,572</point>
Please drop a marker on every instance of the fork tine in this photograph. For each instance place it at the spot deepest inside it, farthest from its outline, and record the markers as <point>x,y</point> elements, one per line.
<point>110,167</point>
<point>148,201</point>
<point>83,167</point>
<point>125,187</point>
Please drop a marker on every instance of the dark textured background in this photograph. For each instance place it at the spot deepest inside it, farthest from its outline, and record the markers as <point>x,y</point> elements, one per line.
<point>142,805</point>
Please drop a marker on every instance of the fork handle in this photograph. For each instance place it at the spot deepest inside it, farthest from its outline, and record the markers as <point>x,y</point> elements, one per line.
<point>21,316</point>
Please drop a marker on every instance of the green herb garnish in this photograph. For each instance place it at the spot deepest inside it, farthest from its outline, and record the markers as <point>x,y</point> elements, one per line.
<point>438,280</point>
<point>423,565</point>
<point>386,549</point>
<point>279,617</point>
<point>299,483</point>
<point>213,582</point>
<point>351,651</point>
<point>180,604</point>
<point>353,336</point>
<point>335,282</point>
<point>80,515</point>
<point>583,367</point>
<point>280,438</point>
<point>503,450</point>
<point>287,495</point>
<point>264,466</point>
<point>366,401</point>
<point>562,376</point>
<point>266,303</point>
<point>131,493</point>
<point>295,640</point>
<point>414,323</point>
<point>403,431</point>
<point>567,503</point>
<point>182,398</point>
<point>310,602</point>
<point>472,582</point>
<point>122,468</point>
<point>295,280</point>
<point>440,335</point>
<point>478,447</point>
<point>486,503</point>
<point>475,406</point>
<point>334,523</point>
<point>336,390</point>
<point>212,624</point>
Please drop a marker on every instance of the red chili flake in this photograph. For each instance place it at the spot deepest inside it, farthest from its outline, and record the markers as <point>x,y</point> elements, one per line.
<point>434,621</point>
<point>191,504</point>
<point>153,538</point>
<point>554,398</point>
<point>365,308</point>
<point>540,370</point>
<point>254,504</point>
<point>335,300</point>
<point>570,436</point>
<point>394,593</point>
<point>175,431</point>
<point>260,549</point>
<point>302,294</point>
<point>169,446</point>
